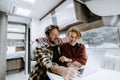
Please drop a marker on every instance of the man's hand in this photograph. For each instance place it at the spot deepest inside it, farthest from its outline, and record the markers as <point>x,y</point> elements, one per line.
<point>66,72</point>
<point>64,59</point>
<point>69,73</point>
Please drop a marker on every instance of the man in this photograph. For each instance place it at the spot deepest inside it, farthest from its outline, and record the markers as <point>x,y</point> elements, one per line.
<point>48,58</point>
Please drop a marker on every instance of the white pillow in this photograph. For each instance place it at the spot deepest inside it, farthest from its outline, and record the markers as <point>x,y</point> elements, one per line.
<point>11,49</point>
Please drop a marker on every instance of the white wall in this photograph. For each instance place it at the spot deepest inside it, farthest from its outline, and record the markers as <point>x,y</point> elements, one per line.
<point>3,44</point>
<point>35,29</point>
<point>38,27</point>
<point>45,22</point>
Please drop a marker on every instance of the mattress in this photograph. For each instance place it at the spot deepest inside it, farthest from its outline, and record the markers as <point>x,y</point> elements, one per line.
<point>14,55</point>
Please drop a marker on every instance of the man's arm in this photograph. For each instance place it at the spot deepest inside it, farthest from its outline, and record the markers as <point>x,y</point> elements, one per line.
<point>44,60</point>
<point>65,72</point>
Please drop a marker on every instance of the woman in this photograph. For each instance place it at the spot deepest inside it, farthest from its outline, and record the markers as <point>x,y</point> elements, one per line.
<point>72,53</point>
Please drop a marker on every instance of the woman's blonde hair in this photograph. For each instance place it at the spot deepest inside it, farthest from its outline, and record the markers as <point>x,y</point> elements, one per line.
<point>76,30</point>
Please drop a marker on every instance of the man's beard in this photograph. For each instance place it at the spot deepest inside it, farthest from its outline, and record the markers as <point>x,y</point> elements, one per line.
<point>55,42</point>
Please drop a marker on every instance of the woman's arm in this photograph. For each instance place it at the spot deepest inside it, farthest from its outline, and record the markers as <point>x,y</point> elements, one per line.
<point>65,59</point>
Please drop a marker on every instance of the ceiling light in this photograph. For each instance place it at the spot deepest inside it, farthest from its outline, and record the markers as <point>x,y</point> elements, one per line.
<point>22,11</point>
<point>30,1</point>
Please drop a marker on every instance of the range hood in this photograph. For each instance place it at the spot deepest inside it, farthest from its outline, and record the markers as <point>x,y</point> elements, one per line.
<point>71,13</point>
<point>65,15</point>
<point>103,7</point>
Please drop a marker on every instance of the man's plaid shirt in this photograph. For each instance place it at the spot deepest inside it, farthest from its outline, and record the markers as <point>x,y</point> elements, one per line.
<point>44,56</point>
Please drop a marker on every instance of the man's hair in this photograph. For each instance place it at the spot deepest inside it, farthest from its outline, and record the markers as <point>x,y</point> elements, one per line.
<point>76,30</point>
<point>50,28</point>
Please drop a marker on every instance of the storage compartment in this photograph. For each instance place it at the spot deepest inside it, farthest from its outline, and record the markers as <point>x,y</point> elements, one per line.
<point>14,65</point>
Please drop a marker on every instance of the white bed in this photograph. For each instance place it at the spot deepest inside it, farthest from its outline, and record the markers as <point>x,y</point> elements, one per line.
<point>15,58</point>
<point>14,55</point>
<point>15,61</point>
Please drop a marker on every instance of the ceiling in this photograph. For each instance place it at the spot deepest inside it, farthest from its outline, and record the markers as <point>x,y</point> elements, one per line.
<point>39,8</point>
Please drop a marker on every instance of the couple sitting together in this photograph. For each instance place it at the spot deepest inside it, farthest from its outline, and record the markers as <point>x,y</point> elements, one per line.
<point>59,59</point>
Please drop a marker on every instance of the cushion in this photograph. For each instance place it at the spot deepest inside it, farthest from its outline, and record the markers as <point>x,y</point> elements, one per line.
<point>11,49</point>
<point>44,39</point>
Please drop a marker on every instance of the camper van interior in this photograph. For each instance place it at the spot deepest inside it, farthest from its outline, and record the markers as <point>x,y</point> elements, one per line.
<point>22,22</point>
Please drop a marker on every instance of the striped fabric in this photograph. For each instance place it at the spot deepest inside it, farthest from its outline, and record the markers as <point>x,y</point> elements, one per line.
<point>43,40</point>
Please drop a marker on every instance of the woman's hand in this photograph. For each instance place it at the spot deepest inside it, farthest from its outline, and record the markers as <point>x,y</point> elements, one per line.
<point>74,64</point>
<point>64,59</point>
<point>77,64</point>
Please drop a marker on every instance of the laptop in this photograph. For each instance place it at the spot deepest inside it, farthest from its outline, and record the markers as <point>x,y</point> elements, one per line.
<point>93,64</point>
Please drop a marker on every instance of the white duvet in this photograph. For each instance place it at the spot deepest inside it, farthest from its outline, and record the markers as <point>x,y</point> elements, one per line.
<point>13,55</point>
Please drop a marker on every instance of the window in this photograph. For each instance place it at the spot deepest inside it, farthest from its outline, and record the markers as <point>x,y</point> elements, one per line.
<point>102,37</point>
